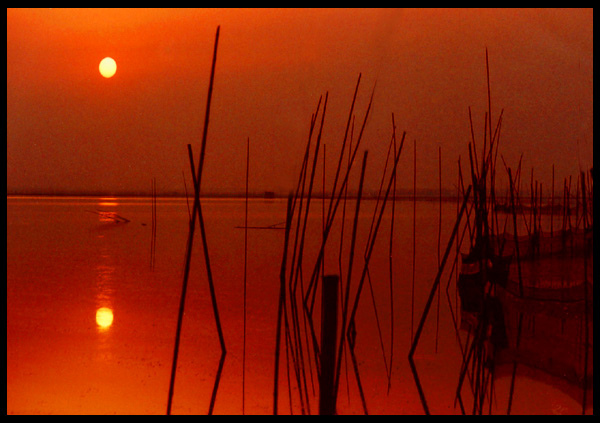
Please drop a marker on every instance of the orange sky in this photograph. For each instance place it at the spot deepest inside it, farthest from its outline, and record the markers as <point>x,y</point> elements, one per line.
<point>69,129</point>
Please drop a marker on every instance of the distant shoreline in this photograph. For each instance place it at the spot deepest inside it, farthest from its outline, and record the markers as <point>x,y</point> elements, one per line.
<point>350,196</point>
<point>425,195</point>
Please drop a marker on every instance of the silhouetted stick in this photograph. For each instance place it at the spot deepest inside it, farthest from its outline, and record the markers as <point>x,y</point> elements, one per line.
<point>311,290</point>
<point>339,166</point>
<point>437,320</point>
<point>245,276</point>
<point>213,296</point>
<point>390,264</point>
<point>341,249</point>
<point>585,299</point>
<point>516,236</point>
<point>323,205</point>
<point>552,210</point>
<point>342,339</point>
<point>487,69</point>
<point>349,277</point>
<point>412,295</point>
<point>310,185</point>
<point>514,370</point>
<point>281,304</point>
<point>314,277</point>
<point>367,259</point>
<point>385,166</point>
<point>428,305</point>
<point>370,239</point>
<point>154,222</point>
<point>296,269</point>
<point>472,156</point>
<point>186,196</point>
<point>385,364</point>
<point>308,201</point>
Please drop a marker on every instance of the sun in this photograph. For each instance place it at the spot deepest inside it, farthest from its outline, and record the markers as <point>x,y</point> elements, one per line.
<point>107,67</point>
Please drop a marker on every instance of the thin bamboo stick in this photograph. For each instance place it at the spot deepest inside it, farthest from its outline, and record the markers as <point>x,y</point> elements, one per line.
<point>245,277</point>
<point>428,305</point>
<point>295,271</point>
<point>311,288</point>
<point>337,172</point>
<point>349,273</point>
<point>552,209</point>
<point>437,320</point>
<point>412,295</point>
<point>390,264</point>
<point>186,196</point>
<point>585,299</point>
<point>281,304</point>
<point>367,259</point>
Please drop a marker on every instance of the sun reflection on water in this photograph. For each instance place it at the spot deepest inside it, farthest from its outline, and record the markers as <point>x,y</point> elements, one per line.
<point>105,278</point>
<point>104,318</point>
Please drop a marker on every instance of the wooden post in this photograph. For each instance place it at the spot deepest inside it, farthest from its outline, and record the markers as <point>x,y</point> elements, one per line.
<point>329,301</point>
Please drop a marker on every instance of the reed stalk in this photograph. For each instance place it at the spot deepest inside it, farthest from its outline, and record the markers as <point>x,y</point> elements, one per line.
<point>428,305</point>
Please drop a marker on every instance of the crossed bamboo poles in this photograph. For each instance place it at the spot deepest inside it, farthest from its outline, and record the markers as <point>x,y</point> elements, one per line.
<point>197,211</point>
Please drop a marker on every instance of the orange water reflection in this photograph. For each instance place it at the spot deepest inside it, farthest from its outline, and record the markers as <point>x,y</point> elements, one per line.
<point>104,318</point>
<point>108,202</point>
<point>105,271</point>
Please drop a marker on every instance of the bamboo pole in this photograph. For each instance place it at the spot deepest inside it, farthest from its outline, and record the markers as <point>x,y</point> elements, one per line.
<point>245,277</point>
<point>187,202</point>
<point>437,320</point>
<point>211,287</point>
<point>514,371</point>
<point>313,280</point>
<point>295,269</point>
<point>349,273</point>
<point>281,304</point>
<point>428,305</point>
<point>487,70</point>
<point>367,259</point>
<point>308,201</point>
<point>370,239</point>
<point>552,210</point>
<point>412,295</point>
<point>390,263</point>
<point>337,172</point>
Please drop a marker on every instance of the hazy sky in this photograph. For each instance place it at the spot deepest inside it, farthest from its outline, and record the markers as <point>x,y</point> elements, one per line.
<point>68,128</point>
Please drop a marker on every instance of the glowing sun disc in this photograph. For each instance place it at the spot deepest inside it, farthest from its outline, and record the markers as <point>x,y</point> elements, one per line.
<point>104,317</point>
<point>107,67</point>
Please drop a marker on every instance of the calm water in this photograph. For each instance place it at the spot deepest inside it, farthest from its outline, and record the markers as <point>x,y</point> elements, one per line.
<point>91,326</point>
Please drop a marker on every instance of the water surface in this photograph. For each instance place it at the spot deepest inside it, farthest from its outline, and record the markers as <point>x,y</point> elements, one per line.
<point>91,323</point>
